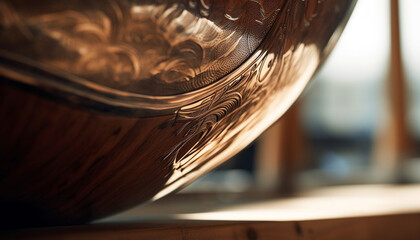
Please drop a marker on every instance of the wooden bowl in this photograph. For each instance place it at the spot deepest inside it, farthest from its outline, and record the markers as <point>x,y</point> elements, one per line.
<point>108,104</point>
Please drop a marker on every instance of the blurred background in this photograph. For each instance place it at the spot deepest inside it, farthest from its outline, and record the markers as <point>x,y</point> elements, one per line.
<point>358,121</point>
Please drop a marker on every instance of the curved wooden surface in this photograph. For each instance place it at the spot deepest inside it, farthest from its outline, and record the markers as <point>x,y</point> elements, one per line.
<point>91,170</point>
<point>73,149</point>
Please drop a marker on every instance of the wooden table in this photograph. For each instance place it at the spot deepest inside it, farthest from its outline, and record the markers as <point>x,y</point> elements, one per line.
<point>352,212</point>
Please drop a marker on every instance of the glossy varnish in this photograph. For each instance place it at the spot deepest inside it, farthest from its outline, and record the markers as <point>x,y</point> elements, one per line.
<point>83,137</point>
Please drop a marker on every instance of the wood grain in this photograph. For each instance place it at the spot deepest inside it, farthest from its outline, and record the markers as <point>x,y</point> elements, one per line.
<point>60,164</point>
<point>388,227</point>
<point>350,212</point>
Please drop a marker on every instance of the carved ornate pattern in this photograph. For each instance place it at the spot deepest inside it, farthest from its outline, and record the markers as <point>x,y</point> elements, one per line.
<point>147,47</point>
<point>168,47</point>
<point>178,86</point>
<point>254,96</point>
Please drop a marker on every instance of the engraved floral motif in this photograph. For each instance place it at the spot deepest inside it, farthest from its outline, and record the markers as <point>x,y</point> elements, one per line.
<point>147,47</point>
<point>176,88</point>
<point>199,118</point>
<point>252,99</point>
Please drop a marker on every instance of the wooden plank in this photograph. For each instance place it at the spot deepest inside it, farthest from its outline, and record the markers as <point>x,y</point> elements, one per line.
<point>353,212</point>
<point>400,226</point>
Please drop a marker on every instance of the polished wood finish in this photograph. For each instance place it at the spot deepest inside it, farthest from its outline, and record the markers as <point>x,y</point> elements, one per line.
<point>87,161</point>
<point>77,145</point>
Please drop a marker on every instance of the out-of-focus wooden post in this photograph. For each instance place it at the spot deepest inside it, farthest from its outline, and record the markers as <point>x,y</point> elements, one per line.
<point>400,130</point>
<point>292,149</point>
<point>280,152</point>
<point>267,159</point>
<point>395,143</point>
